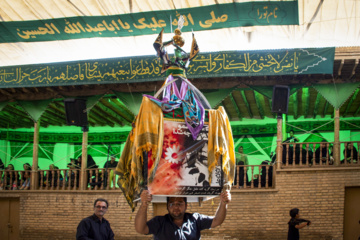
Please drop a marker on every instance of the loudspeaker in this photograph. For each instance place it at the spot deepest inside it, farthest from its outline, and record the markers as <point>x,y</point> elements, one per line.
<point>280,99</point>
<point>76,112</point>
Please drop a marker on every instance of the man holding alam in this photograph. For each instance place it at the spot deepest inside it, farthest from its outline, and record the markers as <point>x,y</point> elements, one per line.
<point>96,226</point>
<point>178,224</point>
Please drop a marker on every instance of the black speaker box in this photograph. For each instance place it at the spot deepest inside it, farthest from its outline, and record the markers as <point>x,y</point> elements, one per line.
<point>280,99</point>
<point>76,112</point>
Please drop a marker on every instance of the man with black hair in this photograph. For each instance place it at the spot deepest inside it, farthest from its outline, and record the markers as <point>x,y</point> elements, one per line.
<point>96,226</point>
<point>178,224</point>
<point>295,224</point>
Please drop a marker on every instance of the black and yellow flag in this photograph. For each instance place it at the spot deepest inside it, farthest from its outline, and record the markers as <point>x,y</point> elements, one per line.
<point>194,48</point>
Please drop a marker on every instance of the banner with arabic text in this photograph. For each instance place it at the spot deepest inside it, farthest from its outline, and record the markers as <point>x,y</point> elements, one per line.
<point>143,23</point>
<point>148,68</point>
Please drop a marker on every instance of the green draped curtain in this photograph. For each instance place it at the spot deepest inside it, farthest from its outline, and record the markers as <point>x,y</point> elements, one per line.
<point>2,105</point>
<point>337,94</point>
<point>132,100</point>
<point>216,96</point>
<point>34,108</point>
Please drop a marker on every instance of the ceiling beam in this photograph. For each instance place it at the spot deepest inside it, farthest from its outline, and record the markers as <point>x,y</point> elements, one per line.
<point>317,102</point>
<point>325,109</point>
<point>341,66</point>
<point>108,114</point>
<point>125,112</point>
<point>100,118</point>
<point>235,106</point>
<point>306,98</point>
<point>243,96</point>
<point>350,104</point>
<point>295,100</point>
<point>109,109</point>
<point>259,104</point>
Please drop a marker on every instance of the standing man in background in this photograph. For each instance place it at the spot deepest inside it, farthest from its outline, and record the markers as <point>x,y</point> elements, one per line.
<point>96,226</point>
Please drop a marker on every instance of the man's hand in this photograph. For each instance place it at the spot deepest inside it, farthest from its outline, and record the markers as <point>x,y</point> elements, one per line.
<point>225,197</point>
<point>145,197</point>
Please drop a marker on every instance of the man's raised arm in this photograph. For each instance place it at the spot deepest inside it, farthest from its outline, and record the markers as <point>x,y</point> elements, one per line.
<point>141,215</point>
<point>225,198</point>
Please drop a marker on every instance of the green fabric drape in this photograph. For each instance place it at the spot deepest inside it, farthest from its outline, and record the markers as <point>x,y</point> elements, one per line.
<point>337,94</point>
<point>214,97</point>
<point>2,105</point>
<point>132,100</point>
<point>91,101</point>
<point>35,108</point>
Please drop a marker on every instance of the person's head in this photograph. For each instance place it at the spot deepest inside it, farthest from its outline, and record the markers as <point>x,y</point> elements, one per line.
<point>294,213</point>
<point>112,159</point>
<point>10,167</point>
<point>27,166</point>
<point>241,149</point>
<point>323,143</point>
<point>176,207</point>
<point>51,166</point>
<point>349,145</point>
<point>100,207</point>
<point>291,133</point>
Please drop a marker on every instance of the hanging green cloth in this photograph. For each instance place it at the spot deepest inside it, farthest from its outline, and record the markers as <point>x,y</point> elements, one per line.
<point>215,97</point>
<point>336,94</point>
<point>2,105</point>
<point>132,100</point>
<point>92,101</point>
<point>34,108</point>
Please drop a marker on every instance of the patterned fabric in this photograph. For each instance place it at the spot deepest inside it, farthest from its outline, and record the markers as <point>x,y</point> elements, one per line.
<point>185,98</point>
<point>146,136</point>
<point>221,143</point>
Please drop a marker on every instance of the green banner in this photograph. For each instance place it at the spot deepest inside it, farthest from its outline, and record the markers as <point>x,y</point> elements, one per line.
<point>147,68</point>
<point>144,23</point>
<point>64,137</point>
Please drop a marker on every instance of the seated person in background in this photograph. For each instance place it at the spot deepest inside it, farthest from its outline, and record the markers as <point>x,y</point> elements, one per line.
<point>322,153</point>
<point>351,153</point>
<point>264,173</point>
<point>109,164</point>
<point>112,163</point>
<point>91,175</point>
<point>240,175</point>
<point>11,177</point>
<point>75,163</point>
<point>26,183</point>
<point>27,167</point>
<point>290,139</point>
<point>70,177</point>
<point>49,177</point>
<point>241,159</point>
